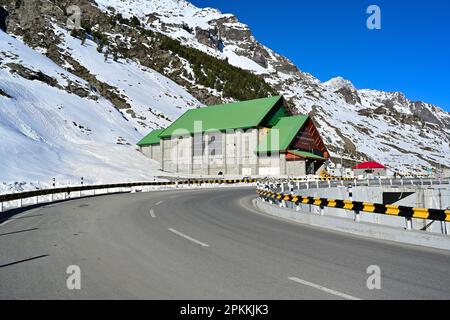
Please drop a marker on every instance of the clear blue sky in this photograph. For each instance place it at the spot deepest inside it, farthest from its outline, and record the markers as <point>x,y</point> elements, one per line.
<point>328,38</point>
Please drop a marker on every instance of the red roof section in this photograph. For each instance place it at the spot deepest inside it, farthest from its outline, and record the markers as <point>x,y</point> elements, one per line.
<point>369,165</point>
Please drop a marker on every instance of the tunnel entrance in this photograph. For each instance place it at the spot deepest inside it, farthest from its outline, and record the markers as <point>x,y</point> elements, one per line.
<point>3,15</point>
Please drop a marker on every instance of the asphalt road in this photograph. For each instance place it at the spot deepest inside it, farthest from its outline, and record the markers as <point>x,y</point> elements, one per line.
<point>202,244</point>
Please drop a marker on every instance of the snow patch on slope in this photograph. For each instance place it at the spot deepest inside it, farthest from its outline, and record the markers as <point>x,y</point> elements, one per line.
<point>149,93</point>
<point>47,132</point>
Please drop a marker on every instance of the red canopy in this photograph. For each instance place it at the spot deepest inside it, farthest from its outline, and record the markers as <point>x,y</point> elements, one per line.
<point>369,165</point>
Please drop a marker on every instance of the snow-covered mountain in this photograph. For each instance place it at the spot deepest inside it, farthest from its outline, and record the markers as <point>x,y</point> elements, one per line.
<point>124,60</point>
<point>356,124</point>
<point>55,124</point>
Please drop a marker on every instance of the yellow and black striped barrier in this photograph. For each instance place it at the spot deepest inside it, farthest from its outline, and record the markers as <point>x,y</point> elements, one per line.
<point>401,211</point>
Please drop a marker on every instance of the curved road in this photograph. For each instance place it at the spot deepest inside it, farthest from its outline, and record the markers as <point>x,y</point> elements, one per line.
<point>202,244</point>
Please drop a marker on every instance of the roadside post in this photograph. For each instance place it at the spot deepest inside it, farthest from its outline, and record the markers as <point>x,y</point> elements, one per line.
<point>350,197</point>
<point>54,186</point>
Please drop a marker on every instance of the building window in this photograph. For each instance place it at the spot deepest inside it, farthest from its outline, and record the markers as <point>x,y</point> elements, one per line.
<point>199,145</point>
<point>215,144</point>
<point>213,141</point>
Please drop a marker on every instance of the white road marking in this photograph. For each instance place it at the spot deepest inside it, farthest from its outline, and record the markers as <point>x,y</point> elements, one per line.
<point>322,288</point>
<point>152,213</point>
<point>161,202</point>
<point>188,238</point>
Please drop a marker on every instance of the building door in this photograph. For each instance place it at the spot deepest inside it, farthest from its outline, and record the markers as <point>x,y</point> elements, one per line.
<point>310,167</point>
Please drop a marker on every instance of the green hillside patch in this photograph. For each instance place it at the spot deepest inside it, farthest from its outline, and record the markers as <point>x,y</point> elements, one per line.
<point>218,74</point>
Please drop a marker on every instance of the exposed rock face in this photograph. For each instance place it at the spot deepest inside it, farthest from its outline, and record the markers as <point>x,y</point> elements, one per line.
<point>208,38</point>
<point>350,96</point>
<point>3,16</point>
<point>231,30</point>
<point>4,94</point>
<point>427,114</point>
<point>31,74</point>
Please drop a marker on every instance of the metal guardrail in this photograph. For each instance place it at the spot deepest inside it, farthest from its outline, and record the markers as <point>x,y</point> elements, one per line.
<point>299,184</point>
<point>69,190</point>
<point>393,210</point>
<point>325,179</point>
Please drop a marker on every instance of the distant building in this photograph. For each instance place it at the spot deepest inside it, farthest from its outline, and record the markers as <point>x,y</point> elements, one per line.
<point>256,137</point>
<point>370,169</point>
<point>150,145</point>
<point>340,172</point>
<point>446,173</point>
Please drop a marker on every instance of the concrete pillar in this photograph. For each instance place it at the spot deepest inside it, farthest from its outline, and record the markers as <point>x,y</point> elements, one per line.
<point>224,153</point>
<point>283,164</point>
<point>357,216</point>
<point>162,154</point>
<point>191,156</point>
<point>239,151</point>
<point>408,223</point>
<point>444,228</point>
<point>205,157</point>
<point>254,140</point>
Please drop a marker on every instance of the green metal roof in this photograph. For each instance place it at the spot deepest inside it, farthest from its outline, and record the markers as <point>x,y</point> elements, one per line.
<point>239,115</point>
<point>281,135</point>
<point>151,138</point>
<point>307,155</point>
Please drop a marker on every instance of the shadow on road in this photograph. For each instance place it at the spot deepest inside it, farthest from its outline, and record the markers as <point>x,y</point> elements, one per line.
<point>15,232</point>
<point>10,213</point>
<point>25,260</point>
